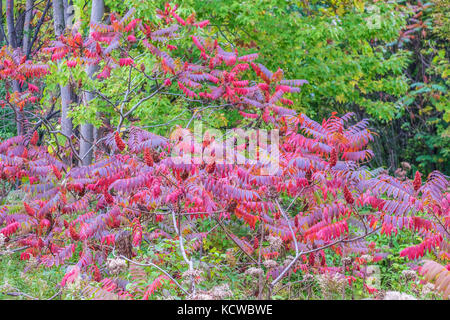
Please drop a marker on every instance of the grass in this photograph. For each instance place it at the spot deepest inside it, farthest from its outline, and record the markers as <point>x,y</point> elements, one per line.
<point>38,282</point>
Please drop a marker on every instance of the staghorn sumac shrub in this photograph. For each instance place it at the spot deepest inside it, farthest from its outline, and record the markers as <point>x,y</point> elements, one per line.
<point>321,197</point>
<point>59,214</point>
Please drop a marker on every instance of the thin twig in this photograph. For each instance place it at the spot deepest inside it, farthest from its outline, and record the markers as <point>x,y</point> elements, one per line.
<point>231,237</point>
<point>183,251</point>
<point>149,264</point>
<point>288,267</point>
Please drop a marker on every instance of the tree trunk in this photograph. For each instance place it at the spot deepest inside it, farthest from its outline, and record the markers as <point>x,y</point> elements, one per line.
<point>66,6</point>
<point>87,129</point>
<point>58,17</point>
<point>2,29</point>
<point>27,25</point>
<point>20,22</point>
<point>66,97</point>
<point>12,37</point>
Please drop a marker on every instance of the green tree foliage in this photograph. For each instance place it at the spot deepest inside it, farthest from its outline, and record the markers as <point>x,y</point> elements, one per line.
<point>354,57</point>
<point>351,51</point>
<point>344,52</point>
